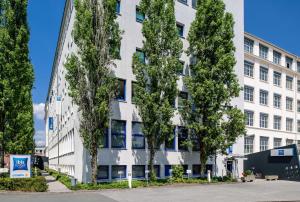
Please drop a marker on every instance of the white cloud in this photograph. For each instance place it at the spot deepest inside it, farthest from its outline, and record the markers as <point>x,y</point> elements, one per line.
<point>40,138</point>
<point>38,110</point>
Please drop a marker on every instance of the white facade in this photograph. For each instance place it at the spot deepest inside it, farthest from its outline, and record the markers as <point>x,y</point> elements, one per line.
<point>272,110</point>
<point>66,141</point>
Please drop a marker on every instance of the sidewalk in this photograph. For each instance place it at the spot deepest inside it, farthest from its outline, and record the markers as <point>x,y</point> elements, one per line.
<point>54,185</point>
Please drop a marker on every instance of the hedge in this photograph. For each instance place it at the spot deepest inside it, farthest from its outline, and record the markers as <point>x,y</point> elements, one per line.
<point>35,184</point>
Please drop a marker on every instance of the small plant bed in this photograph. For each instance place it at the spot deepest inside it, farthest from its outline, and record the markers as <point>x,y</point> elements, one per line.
<point>63,178</point>
<point>34,184</point>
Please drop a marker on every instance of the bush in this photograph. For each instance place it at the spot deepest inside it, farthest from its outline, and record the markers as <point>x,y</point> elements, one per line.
<point>177,172</point>
<point>35,184</point>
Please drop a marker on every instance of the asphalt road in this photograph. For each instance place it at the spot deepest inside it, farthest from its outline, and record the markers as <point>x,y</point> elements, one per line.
<point>241,192</point>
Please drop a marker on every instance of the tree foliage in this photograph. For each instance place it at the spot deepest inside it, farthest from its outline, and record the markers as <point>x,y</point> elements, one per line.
<point>209,115</point>
<point>16,82</point>
<point>89,71</point>
<point>156,88</point>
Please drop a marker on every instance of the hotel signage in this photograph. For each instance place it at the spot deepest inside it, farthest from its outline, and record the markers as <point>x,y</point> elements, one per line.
<point>282,152</point>
<point>20,166</point>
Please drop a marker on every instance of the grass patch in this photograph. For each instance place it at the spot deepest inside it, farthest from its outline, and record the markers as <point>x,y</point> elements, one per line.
<point>35,184</point>
<point>63,178</point>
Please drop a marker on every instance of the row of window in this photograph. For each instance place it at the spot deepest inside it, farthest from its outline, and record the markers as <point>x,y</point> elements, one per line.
<point>264,51</point>
<point>264,121</point>
<point>264,75</point>
<point>264,98</point>
<point>121,94</point>
<point>118,137</point>
<point>263,143</point>
<point>139,171</point>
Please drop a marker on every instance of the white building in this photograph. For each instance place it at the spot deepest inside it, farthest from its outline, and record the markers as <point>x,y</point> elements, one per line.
<point>271,94</point>
<point>64,145</point>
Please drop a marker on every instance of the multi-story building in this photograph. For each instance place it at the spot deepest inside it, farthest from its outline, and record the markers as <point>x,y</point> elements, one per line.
<point>271,96</point>
<point>126,150</point>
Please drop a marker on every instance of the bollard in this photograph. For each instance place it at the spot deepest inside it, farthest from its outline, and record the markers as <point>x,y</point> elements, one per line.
<point>208,176</point>
<point>129,180</point>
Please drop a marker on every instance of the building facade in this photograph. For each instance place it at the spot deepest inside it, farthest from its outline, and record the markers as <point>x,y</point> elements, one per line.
<point>271,96</point>
<point>126,150</point>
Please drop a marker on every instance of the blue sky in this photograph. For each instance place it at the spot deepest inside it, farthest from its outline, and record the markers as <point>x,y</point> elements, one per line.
<point>277,21</point>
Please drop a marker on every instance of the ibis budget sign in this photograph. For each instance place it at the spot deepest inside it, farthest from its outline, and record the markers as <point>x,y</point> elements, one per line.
<point>20,166</point>
<point>282,152</point>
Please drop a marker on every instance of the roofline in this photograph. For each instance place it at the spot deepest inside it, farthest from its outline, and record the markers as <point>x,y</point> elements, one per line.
<point>271,44</point>
<point>58,47</point>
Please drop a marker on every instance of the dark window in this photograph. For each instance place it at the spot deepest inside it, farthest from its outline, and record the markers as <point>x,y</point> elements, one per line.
<point>118,171</point>
<point>194,3</point>
<point>138,171</point>
<point>196,169</point>
<point>118,7</point>
<point>167,170</point>
<point>104,139</point>
<point>182,97</point>
<point>170,143</point>
<point>182,138</point>
<point>157,170</point>
<point>141,56</point>
<point>121,91</point>
<point>185,168</point>
<point>180,28</point>
<point>103,173</point>
<point>183,1</point>
<point>118,134</point>
<point>195,141</point>
<point>140,17</point>
<point>138,139</point>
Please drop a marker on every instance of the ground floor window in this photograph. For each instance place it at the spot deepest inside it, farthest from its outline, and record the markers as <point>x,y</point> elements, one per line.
<point>277,142</point>
<point>138,139</point>
<point>118,134</point>
<point>103,173</point>
<point>117,171</point>
<point>157,170</point>
<point>248,145</point>
<point>170,143</point>
<point>196,169</point>
<point>182,138</point>
<point>138,171</point>
<point>167,170</point>
<point>264,143</point>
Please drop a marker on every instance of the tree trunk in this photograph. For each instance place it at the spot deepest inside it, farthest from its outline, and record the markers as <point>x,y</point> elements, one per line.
<point>94,165</point>
<point>203,159</point>
<point>151,161</point>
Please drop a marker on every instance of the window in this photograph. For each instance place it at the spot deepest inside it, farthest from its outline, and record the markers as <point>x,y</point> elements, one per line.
<point>141,56</point>
<point>277,100</point>
<point>121,91</point>
<point>248,144</point>
<point>248,45</point>
<point>276,57</point>
<point>289,124</point>
<point>263,120</point>
<point>264,143</point>
<point>157,170</point>
<point>118,172</point>
<point>196,169</point>
<point>263,97</point>
<point>298,67</point>
<point>277,79</point>
<point>298,126</point>
<point>249,117</point>
<point>182,138</point>
<point>103,173</point>
<point>180,28</point>
<point>298,106</point>
<point>248,68</point>
<point>263,51</point>
<point>289,141</point>
<point>183,1</point>
<point>182,97</point>
<point>289,103</point>
<point>167,170</point>
<point>288,62</point>
<point>118,7</point>
<point>104,140</point>
<point>138,139</point>
<point>140,17</point>
<point>289,82</point>
<point>298,86</point>
<point>248,93</point>
<point>263,74</point>
<point>195,142</point>
<point>277,142</point>
<point>138,171</point>
<point>194,3</point>
<point>118,134</point>
<point>277,123</point>
<point>170,143</point>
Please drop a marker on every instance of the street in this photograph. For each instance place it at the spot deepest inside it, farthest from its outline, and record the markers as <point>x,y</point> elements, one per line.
<point>240,192</point>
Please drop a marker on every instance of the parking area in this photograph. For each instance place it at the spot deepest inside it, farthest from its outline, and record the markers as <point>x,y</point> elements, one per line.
<point>259,190</point>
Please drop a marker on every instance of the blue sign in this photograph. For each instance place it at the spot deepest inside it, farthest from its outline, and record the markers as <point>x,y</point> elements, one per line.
<point>50,123</point>
<point>229,150</point>
<point>281,152</point>
<point>20,164</point>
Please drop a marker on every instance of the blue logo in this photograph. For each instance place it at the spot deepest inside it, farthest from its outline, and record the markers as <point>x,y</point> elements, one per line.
<point>20,164</point>
<point>50,123</point>
<point>281,152</point>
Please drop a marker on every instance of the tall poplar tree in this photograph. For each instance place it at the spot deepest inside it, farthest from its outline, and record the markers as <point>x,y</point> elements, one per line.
<point>89,71</point>
<point>156,88</point>
<point>16,122</point>
<point>209,115</point>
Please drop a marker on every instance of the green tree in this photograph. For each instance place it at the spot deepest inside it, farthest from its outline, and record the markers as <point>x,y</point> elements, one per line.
<point>89,71</point>
<point>209,115</point>
<point>16,121</point>
<point>156,88</point>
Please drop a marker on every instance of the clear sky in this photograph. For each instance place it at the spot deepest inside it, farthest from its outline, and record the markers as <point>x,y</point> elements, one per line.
<point>277,21</point>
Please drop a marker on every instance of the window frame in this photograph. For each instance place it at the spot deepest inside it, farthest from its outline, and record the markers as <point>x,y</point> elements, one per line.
<point>118,134</point>
<point>137,135</point>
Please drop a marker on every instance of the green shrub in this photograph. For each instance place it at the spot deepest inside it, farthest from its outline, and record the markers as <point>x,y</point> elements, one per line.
<point>35,184</point>
<point>177,172</point>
